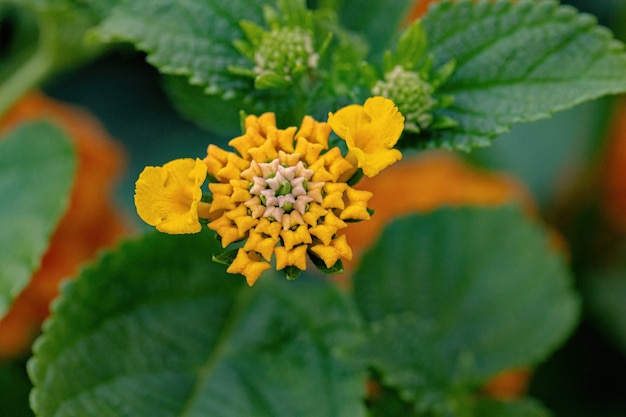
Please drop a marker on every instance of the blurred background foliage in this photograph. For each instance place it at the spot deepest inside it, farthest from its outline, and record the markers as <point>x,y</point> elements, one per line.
<point>568,164</point>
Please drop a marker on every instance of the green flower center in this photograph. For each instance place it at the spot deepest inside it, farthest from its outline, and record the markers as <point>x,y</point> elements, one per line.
<point>284,190</point>
<point>285,51</point>
<point>411,94</point>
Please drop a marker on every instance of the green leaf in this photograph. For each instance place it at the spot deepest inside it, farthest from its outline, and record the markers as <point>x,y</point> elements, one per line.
<point>209,112</point>
<point>414,355</point>
<point>19,37</point>
<point>291,272</point>
<point>193,38</point>
<point>37,165</point>
<point>294,13</point>
<point>215,114</point>
<point>607,302</point>
<point>55,32</point>
<point>158,329</point>
<point>517,62</point>
<point>377,20</point>
<point>384,402</point>
<point>313,94</point>
<point>411,49</point>
<point>271,80</point>
<point>225,258</point>
<point>524,408</point>
<point>337,267</point>
<point>14,389</point>
<point>469,293</point>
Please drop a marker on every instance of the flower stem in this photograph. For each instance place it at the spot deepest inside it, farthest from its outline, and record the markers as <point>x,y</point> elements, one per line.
<point>31,72</point>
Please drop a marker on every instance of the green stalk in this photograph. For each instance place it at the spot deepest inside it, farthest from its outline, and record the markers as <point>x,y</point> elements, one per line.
<point>32,72</point>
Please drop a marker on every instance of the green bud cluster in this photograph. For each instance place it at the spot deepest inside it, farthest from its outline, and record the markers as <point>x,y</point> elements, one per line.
<point>285,51</point>
<point>411,93</point>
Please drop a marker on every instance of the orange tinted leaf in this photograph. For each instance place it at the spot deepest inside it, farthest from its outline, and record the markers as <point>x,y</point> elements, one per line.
<point>508,385</point>
<point>91,222</point>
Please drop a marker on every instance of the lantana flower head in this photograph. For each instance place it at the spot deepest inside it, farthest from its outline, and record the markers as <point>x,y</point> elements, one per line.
<point>284,194</point>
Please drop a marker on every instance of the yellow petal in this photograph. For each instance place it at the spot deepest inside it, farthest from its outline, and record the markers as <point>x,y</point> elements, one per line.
<point>323,233</point>
<point>334,195</point>
<point>315,212</point>
<point>242,219</point>
<point>216,160</point>
<point>233,168</point>
<point>295,257</point>
<point>370,131</point>
<point>330,254</point>
<point>248,264</point>
<point>320,174</point>
<point>327,228</point>
<point>221,196</point>
<point>240,191</point>
<point>341,244</point>
<point>387,121</point>
<point>336,164</point>
<point>284,139</point>
<point>266,123</point>
<point>256,133</point>
<point>269,228</point>
<point>204,211</point>
<point>167,197</point>
<point>356,208</point>
<point>262,244</point>
<point>265,152</point>
<point>228,231</point>
<point>292,238</point>
<point>314,131</point>
<point>375,161</point>
<point>309,150</point>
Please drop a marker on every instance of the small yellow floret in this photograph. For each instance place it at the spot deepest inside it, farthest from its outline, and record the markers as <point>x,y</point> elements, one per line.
<point>356,208</point>
<point>221,196</point>
<point>337,249</point>
<point>292,238</point>
<point>327,228</point>
<point>262,244</point>
<point>248,264</point>
<point>215,160</point>
<point>228,231</point>
<point>167,197</point>
<point>334,195</point>
<point>370,132</point>
<point>295,257</point>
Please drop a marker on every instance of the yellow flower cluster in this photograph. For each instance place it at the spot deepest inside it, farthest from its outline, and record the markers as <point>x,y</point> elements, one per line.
<point>284,192</point>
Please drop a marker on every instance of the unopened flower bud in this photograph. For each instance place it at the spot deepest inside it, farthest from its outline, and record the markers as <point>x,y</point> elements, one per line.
<point>411,94</point>
<point>285,51</point>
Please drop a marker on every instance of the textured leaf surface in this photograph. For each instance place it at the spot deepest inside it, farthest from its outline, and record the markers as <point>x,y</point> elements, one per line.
<point>518,62</point>
<point>157,329</point>
<point>37,165</point>
<point>469,293</point>
<point>378,21</point>
<point>191,37</point>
